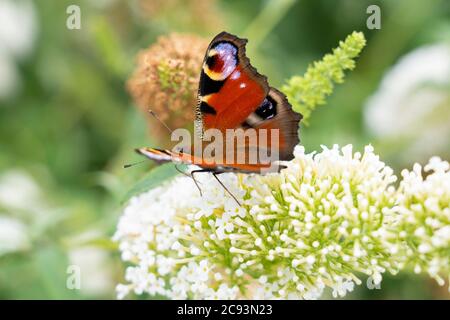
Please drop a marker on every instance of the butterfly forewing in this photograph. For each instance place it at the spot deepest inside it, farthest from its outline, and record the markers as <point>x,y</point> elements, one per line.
<point>230,88</point>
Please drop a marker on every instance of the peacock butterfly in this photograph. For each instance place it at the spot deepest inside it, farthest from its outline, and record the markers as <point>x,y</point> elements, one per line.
<point>234,97</point>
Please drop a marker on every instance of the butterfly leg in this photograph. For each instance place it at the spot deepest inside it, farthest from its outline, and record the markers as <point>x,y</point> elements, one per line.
<point>215,176</point>
<point>195,181</point>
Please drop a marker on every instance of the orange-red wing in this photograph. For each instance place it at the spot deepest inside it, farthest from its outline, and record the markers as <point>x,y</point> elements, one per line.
<point>230,88</point>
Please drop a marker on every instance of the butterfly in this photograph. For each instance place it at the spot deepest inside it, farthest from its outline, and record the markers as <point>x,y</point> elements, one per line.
<point>233,95</point>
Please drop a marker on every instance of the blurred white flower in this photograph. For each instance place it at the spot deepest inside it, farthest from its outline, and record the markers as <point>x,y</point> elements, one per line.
<point>18,26</point>
<point>18,190</point>
<point>18,29</point>
<point>13,235</point>
<point>412,105</point>
<point>315,225</point>
<point>95,267</point>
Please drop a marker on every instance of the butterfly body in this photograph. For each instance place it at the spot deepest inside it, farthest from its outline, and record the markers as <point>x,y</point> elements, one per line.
<point>236,101</point>
<point>161,155</point>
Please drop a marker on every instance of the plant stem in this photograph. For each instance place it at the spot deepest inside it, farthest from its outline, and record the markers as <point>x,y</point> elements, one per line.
<point>267,19</point>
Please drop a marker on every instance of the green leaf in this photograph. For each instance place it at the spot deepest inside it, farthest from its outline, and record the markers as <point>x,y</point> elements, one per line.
<point>152,180</point>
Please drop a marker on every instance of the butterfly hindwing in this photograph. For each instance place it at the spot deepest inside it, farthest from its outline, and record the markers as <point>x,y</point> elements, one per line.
<point>275,113</point>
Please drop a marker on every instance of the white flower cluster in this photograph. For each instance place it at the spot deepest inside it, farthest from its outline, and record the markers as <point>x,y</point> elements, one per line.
<point>161,235</point>
<point>320,221</point>
<point>312,226</point>
<point>424,224</point>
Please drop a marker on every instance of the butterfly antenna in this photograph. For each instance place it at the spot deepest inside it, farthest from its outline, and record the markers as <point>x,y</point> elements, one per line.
<point>215,176</point>
<point>157,118</point>
<point>129,165</point>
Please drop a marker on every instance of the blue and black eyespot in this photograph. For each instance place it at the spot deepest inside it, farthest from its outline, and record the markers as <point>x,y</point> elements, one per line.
<point>212,61</point>
<point>267,109</point>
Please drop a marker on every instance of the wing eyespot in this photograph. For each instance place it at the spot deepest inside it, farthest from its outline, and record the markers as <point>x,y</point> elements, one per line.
<point>267,109</point>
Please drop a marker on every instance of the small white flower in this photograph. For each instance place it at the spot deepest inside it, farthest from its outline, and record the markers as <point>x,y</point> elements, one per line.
<point>122,291</point>
<point>340,289</point>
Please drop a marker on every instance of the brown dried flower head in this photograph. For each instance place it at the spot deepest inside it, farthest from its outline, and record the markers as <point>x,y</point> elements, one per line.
<point>166,80</point>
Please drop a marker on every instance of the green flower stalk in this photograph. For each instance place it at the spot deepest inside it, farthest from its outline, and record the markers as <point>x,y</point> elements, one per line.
<point>307,92</point>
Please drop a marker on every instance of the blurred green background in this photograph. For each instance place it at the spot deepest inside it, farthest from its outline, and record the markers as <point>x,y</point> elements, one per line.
<point>67,124</point>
